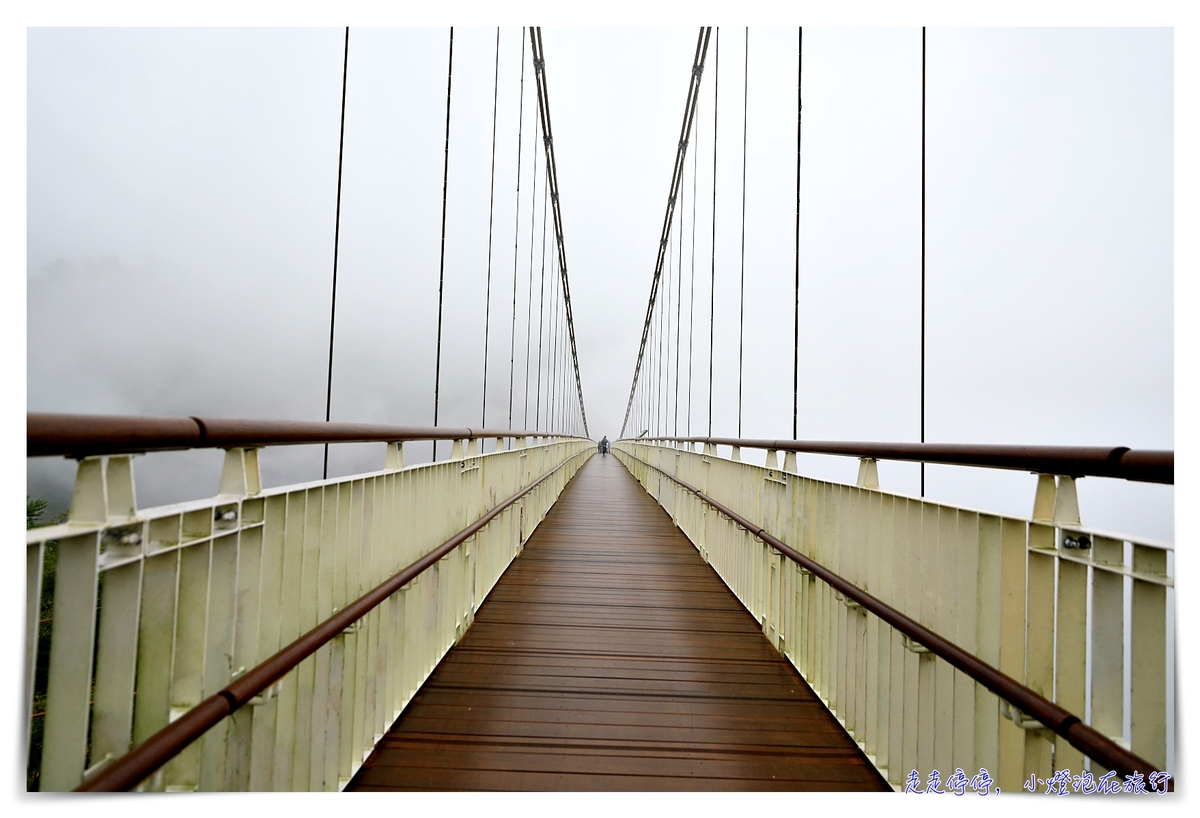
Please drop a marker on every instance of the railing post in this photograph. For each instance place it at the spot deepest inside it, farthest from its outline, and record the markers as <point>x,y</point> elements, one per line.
<point>456,450</point>
<point>473,447</point>
<point>789,463</point>
<point>1043,500</point>
<point>868,473</point>
<point>772,462</point>
<point>1066,502</point>
<point>393,459</point>
<point>104,490</point>
<point>240,475</point>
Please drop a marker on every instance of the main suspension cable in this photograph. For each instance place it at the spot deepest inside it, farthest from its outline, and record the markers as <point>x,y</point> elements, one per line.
<point>676,179</point>
<point>539,65</point>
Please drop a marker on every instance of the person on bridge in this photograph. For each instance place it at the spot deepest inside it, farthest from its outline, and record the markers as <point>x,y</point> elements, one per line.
<point>603,446</point>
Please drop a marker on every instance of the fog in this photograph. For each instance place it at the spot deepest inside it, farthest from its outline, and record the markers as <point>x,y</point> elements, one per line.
<point>181,203</point>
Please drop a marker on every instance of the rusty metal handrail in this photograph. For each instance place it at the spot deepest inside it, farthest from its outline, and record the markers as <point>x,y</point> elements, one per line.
<point>1059,720</point>
<point>140,763</point>
<point>50,434</point>
<point>1141,465</point>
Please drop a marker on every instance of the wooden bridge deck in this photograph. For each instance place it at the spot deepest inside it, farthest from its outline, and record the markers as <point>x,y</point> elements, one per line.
<point>610,656</point>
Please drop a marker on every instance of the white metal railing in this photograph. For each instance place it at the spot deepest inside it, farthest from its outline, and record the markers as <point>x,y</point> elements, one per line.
<point>1079,616</point>
<point>150,611</point>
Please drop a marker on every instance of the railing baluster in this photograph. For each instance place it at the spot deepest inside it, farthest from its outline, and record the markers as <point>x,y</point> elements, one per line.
<point>943,582</point>
<point>289,603</point>
<point>1039,641</point>
<point>988,618</point>
<point>218,654</point>
<point>1014,567</point>
<point>64,740</point>
<point>35,558</point>
<point>1070,673</point>
<point>245,648</point>
<point>966,636</point>
<point>182,774</point>
<point>116,662</point>
<point>1148,719</point>
<point>1108,652</point>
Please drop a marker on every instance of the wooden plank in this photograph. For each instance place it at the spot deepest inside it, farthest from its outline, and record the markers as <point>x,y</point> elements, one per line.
<point>610,656</point>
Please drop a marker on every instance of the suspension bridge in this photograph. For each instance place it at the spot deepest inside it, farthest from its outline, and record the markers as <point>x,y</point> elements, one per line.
<point>529,611</point>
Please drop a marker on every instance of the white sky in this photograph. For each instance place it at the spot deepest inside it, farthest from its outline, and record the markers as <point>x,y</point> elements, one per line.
<point>181,193</point>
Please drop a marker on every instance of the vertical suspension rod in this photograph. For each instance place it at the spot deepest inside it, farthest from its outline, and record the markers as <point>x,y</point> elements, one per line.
<point>487,309</point>
<point>437,366</point>
<point>337,234</point>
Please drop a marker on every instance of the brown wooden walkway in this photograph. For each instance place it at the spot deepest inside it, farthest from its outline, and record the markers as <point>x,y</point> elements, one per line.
<point>610,656</point>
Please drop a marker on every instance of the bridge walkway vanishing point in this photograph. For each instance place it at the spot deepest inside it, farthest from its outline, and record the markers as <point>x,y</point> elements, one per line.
<point>610,656</point>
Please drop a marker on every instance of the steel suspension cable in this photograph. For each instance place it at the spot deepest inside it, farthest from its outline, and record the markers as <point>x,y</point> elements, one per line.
<point>552,382</point>
<point>678,318</point>
<point>337,234</point>
<point>922,252</point>
<point>512,338</point>
<point>437,369</point>
<point>487,309</point>
<point>664,346</point>
<point>539,64</point>
<point>796,339</point>
<point>563,379</point>
<point>651,378</point>
<point>529,298</point>
<point>742,289</point>
<point>712,282</point>
<point>692,285</point>
<point>541,310</point>
<point>658,368</point>
<point>676,181</point>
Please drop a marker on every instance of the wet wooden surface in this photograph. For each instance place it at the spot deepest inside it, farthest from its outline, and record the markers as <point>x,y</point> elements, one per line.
<point>610,656</point>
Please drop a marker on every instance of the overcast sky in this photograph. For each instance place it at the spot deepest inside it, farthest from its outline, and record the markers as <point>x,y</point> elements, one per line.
<point>181,199</point>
